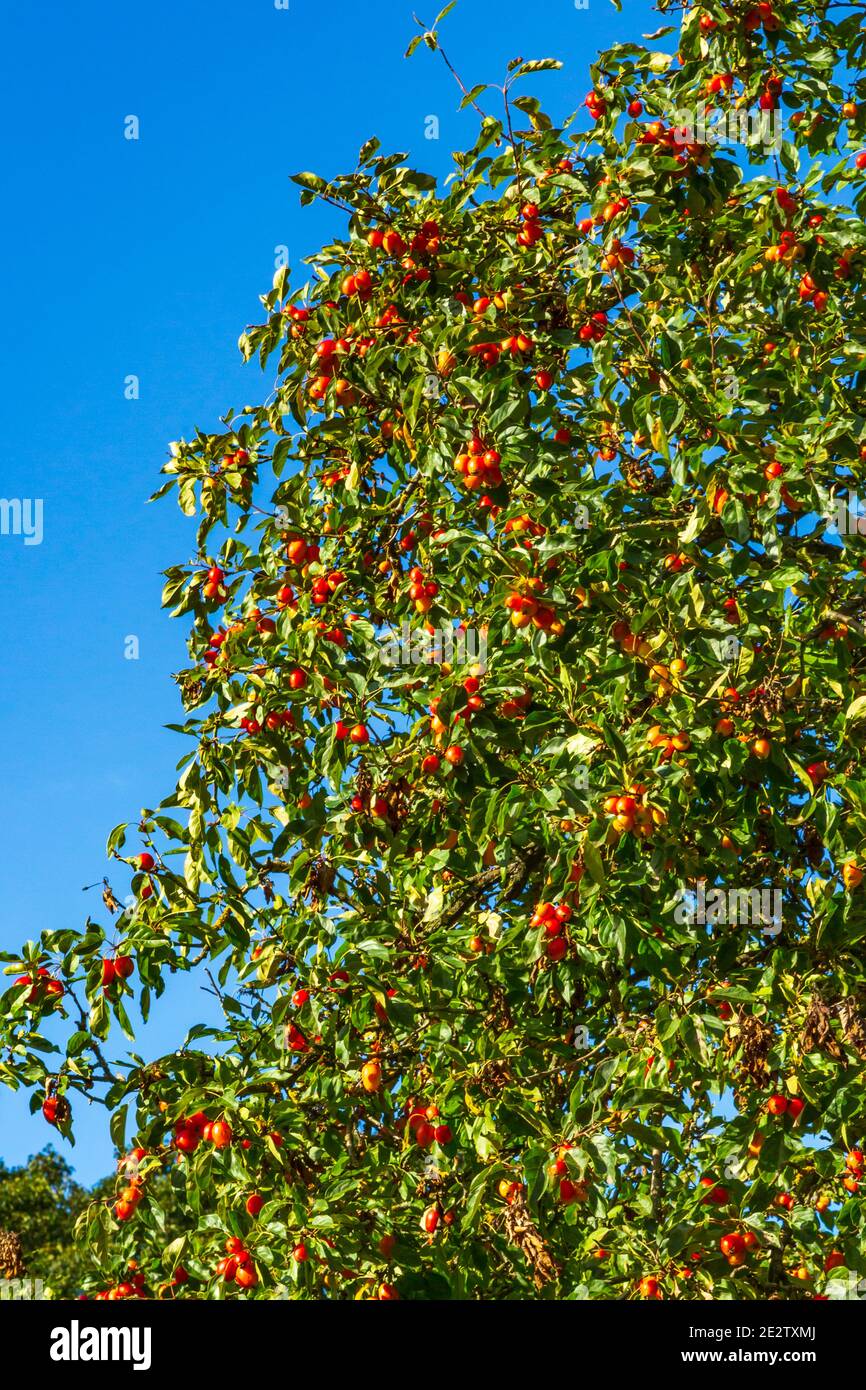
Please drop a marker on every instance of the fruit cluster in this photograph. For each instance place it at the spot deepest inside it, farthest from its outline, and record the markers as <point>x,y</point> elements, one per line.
<point>40,987</point>
<point>479,465</point>
<point>668,744</point>
<point>237,1265</point>
<point>422,591</point>
<point>630,813</point>
<point>420,1119</point>
<point>526,608</point>
<point>552,919</point>
<point>195,1129</point>
<point>532,230</point>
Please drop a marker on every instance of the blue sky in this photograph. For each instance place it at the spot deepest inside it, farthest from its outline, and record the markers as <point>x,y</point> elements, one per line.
<point>145,257</point>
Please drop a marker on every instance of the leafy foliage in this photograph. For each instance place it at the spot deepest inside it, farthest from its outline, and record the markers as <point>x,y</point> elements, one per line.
<point>590,404</point>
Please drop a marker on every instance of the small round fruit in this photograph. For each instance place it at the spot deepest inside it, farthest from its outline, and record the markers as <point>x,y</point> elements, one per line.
<point>221,1134</point>
<point>371,1077</point>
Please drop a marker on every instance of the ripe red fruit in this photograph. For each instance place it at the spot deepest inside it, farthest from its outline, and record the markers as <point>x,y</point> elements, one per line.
<point>254,1204</point>
<point>145,862</point>
<point>300,1253</point>
<point>359,734</point>
<point>732,1244</point>
<point>443,1134</point>
<point>108,973</point>
<point>49,1109</point>
<point>123,966</point>
<point>777,1104</point>
<point>430,1220</point>
<point>300,997</point>
<point>796,1107</point>
<point>716,1194</point>
<point>556,948</point>
<point>454,755</point>
<point>635,108</point>
<point>246,1277</point>
<point>424,1135</point>
<point>221,1134</point>
<point>544,380</point>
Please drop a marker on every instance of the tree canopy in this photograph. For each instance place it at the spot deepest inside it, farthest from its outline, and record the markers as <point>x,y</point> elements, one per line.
<point>520,824</point>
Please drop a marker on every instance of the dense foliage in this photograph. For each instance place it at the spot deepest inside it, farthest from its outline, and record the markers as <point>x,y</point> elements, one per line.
<point>40,1203</point>
<point>580,416</point>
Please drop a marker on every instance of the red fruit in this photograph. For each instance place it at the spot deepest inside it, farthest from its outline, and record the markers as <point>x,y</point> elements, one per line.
<point>300,1253</point>
<point>246,1277</point>
<point>359,734</point>
<point>254,1204</point>
<point>221,1134</point>
<point>454,755</point>
<point>717,1195</point>
<point>796,1107</point>
<point>732,1244</point>
<point>300,997</point>
<point>777,1104</point>
<point>49,1109</point>
<point>443,1134</point>
<point>297,679</point>
<point>108,973</point>
<point>145,862</point>
<point>424,1135</point>
<point>430,1220</point>
<point>123,966</point>
<point>635,108</point>
<point>544,380</point>
<point>556,948</point>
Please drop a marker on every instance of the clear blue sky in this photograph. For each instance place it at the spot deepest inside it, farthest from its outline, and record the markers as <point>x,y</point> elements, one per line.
<point>146,257</point>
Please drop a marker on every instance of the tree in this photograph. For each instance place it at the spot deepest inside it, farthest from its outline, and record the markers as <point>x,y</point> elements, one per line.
<point>40,1203</point>
<point>521,829</point>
